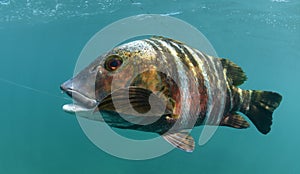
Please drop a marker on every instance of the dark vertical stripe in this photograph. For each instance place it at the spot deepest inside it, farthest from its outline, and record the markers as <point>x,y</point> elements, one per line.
<point>159,56</point>
<point>180,54</point>
<point>168,58</point>
<point>190,56</point>
<point>163,49</point>
<point>207,82</point>
<point>189,60</point>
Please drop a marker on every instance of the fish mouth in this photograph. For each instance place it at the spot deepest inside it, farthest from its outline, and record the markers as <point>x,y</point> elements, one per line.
<point>86,107</point>
<point>82,103</point>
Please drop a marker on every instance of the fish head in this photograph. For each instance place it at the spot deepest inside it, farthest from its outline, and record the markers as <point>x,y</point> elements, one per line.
<point>122,67</point>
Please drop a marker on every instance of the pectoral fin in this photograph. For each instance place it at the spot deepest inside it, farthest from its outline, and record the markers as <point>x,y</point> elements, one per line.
<point>134,100</point>
<point>181,140</point>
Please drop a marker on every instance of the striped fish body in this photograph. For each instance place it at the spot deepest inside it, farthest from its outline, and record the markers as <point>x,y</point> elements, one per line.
<point>193,72</point>
<point>187,88</point>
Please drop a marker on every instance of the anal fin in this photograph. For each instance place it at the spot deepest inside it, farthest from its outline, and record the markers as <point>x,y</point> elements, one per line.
<point>234,120</point>
<point>181,140</point>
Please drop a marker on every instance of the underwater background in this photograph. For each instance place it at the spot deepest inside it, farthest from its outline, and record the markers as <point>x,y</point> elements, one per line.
<point>40,42</point>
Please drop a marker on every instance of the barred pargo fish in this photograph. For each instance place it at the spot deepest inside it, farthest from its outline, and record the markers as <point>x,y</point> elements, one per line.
<point>156,74</point>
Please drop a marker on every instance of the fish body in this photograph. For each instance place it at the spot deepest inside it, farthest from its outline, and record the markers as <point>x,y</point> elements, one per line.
<point>164,86</point>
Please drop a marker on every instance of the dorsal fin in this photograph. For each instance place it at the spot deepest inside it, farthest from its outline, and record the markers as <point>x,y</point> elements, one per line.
<point>234,72</point>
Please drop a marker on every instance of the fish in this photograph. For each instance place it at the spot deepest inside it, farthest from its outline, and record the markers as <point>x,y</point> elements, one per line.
<point>162,85</point>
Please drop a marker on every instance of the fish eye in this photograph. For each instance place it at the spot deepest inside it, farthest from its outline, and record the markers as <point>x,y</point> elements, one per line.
<point>113,63</point>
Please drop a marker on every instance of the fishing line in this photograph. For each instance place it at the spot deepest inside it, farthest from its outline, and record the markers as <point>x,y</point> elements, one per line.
<point>32,89</point>
<point>43,91</point>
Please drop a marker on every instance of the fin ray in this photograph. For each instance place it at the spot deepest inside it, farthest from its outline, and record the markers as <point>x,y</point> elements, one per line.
<point>181,140</point>
<point>260,107</point>
<point>234,72</point>
<point>234,120</point>
<point>140,99</point>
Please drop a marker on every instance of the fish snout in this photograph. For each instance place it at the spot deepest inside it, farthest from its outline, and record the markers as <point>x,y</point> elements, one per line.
<point>77,95</point>
<point>66,85</point>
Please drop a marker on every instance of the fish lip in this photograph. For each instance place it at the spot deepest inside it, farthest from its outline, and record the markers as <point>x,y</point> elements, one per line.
<point>80,99</point>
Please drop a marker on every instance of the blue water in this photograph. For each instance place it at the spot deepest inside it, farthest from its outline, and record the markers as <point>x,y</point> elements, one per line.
<point>40,42</point>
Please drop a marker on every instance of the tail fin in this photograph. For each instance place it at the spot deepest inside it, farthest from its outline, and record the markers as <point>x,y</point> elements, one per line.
<point>259,107</point>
